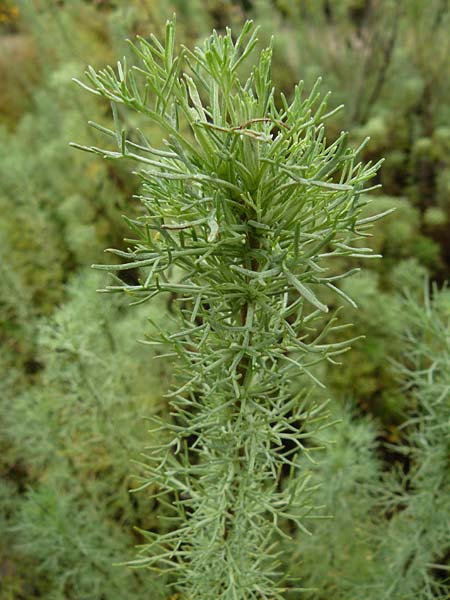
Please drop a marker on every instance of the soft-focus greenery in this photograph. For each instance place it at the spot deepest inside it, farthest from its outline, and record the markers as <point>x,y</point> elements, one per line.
<point>75,385</point>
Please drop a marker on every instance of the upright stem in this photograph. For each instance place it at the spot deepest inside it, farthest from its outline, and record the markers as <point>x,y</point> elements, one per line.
<point>247,212</point>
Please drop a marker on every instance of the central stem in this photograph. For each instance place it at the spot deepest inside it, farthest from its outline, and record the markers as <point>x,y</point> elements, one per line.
<point>244,370</point>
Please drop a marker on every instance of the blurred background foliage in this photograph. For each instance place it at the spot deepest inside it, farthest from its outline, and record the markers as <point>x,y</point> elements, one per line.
<point>75,385</point>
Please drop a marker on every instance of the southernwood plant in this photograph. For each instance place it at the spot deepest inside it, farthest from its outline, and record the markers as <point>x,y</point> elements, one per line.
<point>243,213</point>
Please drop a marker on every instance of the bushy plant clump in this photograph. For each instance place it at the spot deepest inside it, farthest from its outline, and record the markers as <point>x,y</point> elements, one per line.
<point>69,438</point>
<point>390,533</point>
<point>58,209</point>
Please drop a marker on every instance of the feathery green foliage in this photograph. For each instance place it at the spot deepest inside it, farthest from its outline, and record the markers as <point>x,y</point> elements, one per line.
<point>390,533</point>
<point>414,547</point>
<point>240,212</point>
<point>69,439</point>
<point>388,62</point>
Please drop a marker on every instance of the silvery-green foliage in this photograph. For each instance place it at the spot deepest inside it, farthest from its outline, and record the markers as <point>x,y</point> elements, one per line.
<point>340,553</point>
<point>409,545</point>
<point>240,211</point>
<point>414,548</point>
<point>389,537</point>
<point>74,545</point>
<point>69,439</point>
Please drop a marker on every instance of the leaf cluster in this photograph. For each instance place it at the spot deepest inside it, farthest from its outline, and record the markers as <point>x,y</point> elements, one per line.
<point>239,212</point>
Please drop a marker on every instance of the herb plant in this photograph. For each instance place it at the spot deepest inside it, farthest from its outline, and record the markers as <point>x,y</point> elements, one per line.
<point>244,212</point>
<point>390,535</point>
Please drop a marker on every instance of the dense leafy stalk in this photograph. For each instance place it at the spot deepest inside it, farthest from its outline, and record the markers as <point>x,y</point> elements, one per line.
<point>243,213</point>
